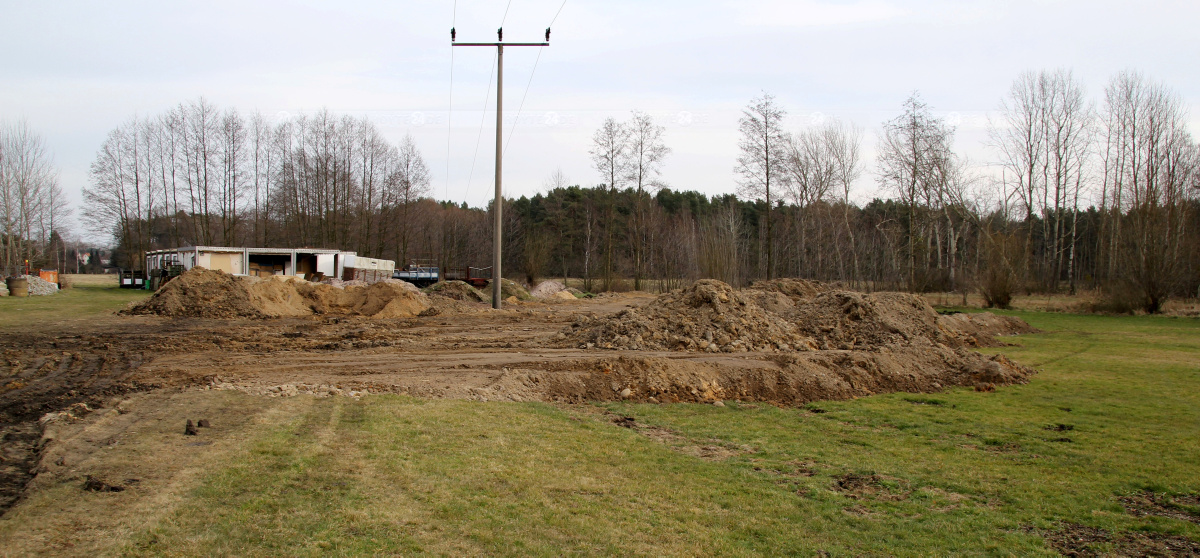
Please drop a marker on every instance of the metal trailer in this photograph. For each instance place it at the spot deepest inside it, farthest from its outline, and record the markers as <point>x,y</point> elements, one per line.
<point>419,275</point>
<point>477,277</point>
<point>424,274</point>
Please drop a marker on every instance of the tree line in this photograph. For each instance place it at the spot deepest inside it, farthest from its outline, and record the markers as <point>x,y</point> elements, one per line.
<point>32,206</point>
<point>1081,194</point>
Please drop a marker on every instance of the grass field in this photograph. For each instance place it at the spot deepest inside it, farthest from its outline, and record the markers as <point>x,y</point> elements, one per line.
<point>65,306</point>
<point>1111,414</point>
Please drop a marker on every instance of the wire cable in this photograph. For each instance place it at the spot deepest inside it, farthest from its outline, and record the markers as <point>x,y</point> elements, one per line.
<point>558,12</point>
<point>513,130</point>
<point>482,120</point>
<point>530,82</point>
<point>505,18</point>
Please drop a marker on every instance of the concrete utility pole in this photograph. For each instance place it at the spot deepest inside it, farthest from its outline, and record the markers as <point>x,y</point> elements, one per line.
<point>498,201</point>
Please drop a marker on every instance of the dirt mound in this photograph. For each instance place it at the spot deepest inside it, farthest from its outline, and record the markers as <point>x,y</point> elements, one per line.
<point>795,289</point>
<point>457,290</point>
<point>788,379</point>
<point>849,320</point>
<point>707,316</point>
<point>981,330</point>
<point>509,288</point>
<point>546,289</point>
<point>204,293</point>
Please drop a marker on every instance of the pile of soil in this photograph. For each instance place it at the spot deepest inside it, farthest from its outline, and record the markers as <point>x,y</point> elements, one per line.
<point>795,289</point>
<point>785,314</point>
<point>204,293</point>
<point>849,320</point>
<point>510,288</point>
<point>981,330</point>
<point>707,316</point>
<point>456,290</point>
<point>546,289</point>
<point>787,378</point>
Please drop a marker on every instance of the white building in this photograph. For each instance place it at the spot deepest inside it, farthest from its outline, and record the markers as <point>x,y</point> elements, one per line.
<point>309,263</point>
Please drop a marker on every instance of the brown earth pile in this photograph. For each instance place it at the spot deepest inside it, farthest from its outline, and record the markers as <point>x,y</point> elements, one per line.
<point>546,289</point>
<point>795,289</point>
<point>849,320</point>
<point>981,330</point>
<point>204,293</point>
<point>509,288</point>
<point>787,313</point>
<point>788,379</point>
<point>457,290</point>
<point>707,316</point>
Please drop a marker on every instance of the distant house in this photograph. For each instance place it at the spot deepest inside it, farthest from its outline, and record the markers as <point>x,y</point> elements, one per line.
<point>309,263</point>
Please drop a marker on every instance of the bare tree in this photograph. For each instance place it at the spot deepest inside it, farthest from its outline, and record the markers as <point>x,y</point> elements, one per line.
<point>31,201</point>
<point>844,143</point>
<point>646,154</point>
<point>913,155</point>
<point>412,183</point>
<point>610,148</point>
<point>762,159</point>
<point>1044,144</point>
<point>1149,167</point>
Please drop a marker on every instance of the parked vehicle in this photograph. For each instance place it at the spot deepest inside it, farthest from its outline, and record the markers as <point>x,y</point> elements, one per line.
<point>423,274</point>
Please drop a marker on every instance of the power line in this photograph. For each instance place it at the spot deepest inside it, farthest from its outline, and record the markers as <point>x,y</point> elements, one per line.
<point>482,120</point>
<point>513,130</point>
<point>503,19</point>
<point>558,12</point>
<point>530,82</point>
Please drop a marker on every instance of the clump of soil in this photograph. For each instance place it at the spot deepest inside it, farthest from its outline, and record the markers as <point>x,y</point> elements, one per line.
<point>707,316</point>
<point>872,487</point>
<point>204,293</point>
<point>457,290</point>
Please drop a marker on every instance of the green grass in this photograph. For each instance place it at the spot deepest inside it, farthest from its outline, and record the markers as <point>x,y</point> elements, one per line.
<point>959,472</point>
<point>65,306</point>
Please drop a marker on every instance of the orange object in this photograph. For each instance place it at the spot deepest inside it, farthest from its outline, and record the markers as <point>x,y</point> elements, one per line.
<point>50,275</point>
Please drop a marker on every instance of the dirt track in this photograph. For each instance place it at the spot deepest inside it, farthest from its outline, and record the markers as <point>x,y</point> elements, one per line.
<point>522,353</point>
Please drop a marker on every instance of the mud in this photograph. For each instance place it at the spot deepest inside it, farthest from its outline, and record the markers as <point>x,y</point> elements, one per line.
<point>1082,541</point>
<point>869,487</point>
<point>1182,507</point>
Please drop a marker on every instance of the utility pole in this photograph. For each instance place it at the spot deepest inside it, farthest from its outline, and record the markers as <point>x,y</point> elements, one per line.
<point>498,201</point>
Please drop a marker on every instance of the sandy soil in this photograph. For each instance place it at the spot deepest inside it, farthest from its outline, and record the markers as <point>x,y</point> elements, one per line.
<point>530,351</point>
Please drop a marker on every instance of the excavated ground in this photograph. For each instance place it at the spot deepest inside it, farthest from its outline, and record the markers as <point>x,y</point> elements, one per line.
<point>530,351</point>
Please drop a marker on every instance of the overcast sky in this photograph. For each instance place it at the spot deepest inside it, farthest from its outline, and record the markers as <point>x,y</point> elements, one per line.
<point>76,70</point>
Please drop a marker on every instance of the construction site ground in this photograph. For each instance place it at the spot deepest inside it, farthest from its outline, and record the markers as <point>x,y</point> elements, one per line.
<point>475,431</point>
